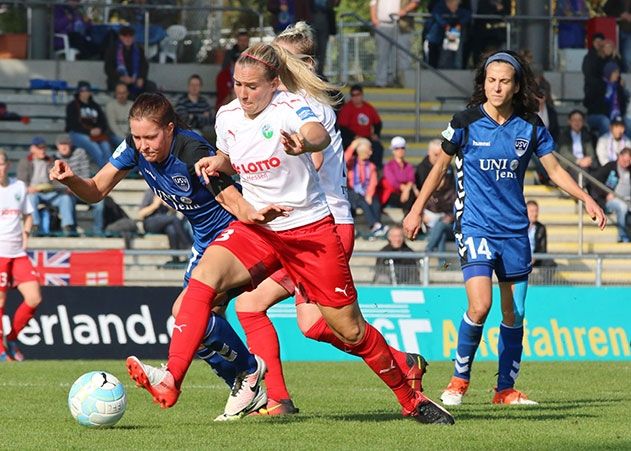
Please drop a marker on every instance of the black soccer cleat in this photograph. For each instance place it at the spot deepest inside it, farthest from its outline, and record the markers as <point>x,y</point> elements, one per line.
<point>428,412</point>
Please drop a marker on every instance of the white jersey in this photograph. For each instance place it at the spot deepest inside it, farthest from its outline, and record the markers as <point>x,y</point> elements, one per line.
<point>268,174</point>
<point>13,205</point>
<point>333,170</point>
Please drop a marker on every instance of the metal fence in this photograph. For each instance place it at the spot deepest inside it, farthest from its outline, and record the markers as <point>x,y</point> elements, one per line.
<point>425,269</point>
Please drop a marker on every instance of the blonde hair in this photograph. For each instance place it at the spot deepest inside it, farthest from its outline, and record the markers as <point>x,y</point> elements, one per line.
<point>362,143</point>
<point>301,36</point>
<point>3,155</point>
<point>294,73</point>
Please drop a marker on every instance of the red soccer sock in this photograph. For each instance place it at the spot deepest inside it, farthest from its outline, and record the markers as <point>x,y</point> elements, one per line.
<point>376,353</point>
<point>263,341</point>
<point>1,330</point>
<point>321,331</point>
<point>190,325</point>
<point>22,316</point>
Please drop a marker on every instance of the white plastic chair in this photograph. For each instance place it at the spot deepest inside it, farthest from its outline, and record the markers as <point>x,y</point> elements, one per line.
<point>169,45</point>
<point>69,53</point>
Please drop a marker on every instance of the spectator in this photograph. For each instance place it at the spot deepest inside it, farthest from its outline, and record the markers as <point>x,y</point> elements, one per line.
<point>78,160</point>
<point>194,108</point>
<point>134,17</point>
<point>87,125</point>
<point>391,62</point>
<point>397,271</point>
<point>438,213</point>
<point>33,171</point>
<point>615,174</point>
<point>117,113</point>
<point>444,31</point>
<point>575,143</point>
<point>610,144</point>
<point>537,235</point>
<point>324,26</point>
<point>622,11</point>
<point>596,85</point>
<point>572,33</point>
<point>6,115</point>
<point>362,183</point>
<point>489,35</point>
<point>224,85</point>
<point>243,42</point>
<point>288,12</point>
<point>358,118</point>
<point>157,217</point>
<point>398,182</point>
<point>70,20</point>
<point>125,62</point>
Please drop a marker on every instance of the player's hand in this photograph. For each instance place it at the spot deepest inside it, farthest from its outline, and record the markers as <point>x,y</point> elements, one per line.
<point>596,213</point>
<point>294,143</point>
<point>208,167</point>
<point>268,214</point>
<point>60,171</point>
<point>411,225</point>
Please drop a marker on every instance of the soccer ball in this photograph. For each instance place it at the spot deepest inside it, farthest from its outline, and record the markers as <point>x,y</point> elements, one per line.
<point>97,399</point>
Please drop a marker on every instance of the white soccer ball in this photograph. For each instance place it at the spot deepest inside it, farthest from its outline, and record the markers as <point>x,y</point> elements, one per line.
<point>97,399</point>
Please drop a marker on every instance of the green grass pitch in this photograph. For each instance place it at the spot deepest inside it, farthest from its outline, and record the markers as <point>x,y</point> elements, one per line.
<point>343,406</point>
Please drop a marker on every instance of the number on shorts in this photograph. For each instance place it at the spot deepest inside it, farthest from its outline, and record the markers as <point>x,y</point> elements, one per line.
<point>482,248</point>
<point>225,235</point>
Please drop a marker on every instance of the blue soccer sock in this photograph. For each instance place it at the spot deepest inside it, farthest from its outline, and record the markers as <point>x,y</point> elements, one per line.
<point>230,355</point>
<point>225,369</point>
<point>509,348</point>
<point>469,335</point>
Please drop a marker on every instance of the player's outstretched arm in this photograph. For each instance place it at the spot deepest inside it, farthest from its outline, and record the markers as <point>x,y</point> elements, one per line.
<point>565,181</point>
<point>90,190</point>
<point>231,199</point>
<point>412,222</point>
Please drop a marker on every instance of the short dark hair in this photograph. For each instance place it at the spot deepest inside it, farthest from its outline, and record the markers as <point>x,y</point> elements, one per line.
<point>576,111</point>
<point>126,30</point>
<point>195,77</point>
<point>357,87</point>
<point>625,151</point>
<point>597,36</point>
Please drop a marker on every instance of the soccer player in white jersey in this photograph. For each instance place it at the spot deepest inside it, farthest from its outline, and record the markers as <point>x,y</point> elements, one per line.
<point>251,306</point>
<point>16,269</point>
<point>266,135</point>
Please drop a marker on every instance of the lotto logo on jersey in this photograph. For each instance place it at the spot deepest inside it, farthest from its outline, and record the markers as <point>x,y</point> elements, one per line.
<point>305,112</point>
<point>501,167</point>
<point>256,166</point>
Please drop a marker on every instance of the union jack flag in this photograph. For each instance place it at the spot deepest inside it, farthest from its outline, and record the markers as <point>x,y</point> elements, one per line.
<point>53,266</point>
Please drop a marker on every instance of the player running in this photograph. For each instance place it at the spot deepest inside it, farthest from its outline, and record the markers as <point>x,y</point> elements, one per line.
<point>164,152</point>
<point>251,306</point>
<point>265,136</point>
<point>493,141</point>
<point>16,269</point>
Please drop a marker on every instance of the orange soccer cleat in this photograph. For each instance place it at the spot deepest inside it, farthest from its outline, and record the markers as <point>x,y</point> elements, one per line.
<point>158,382</point>
<point>512,397</point>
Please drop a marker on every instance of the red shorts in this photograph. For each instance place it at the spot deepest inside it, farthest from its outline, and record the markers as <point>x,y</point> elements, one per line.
<point>15,271</point>
<point>312,255</point>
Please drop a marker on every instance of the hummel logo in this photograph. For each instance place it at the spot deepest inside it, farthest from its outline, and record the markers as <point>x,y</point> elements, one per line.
<point>339,290</point>
<point>482,143</point>
<point>179,327</point>
<point>385,370</point>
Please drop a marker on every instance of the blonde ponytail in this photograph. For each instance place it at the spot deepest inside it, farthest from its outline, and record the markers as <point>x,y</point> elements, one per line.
<point>294,73</point>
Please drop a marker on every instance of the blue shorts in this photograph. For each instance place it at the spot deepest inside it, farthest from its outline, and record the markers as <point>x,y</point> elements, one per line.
<point>510,258</point>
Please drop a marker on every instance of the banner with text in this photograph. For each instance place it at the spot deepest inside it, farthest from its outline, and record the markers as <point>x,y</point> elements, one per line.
<point>563,323</point>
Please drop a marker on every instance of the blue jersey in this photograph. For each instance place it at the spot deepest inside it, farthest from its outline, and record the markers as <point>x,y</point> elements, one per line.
<point>491,161</point>
<point>175,182</point>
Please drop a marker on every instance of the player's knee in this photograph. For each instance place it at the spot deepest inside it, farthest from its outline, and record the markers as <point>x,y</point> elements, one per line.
<point>33,300</point>
<point>478,313</point>
<point>351,333</point>
<point>249,302</point>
